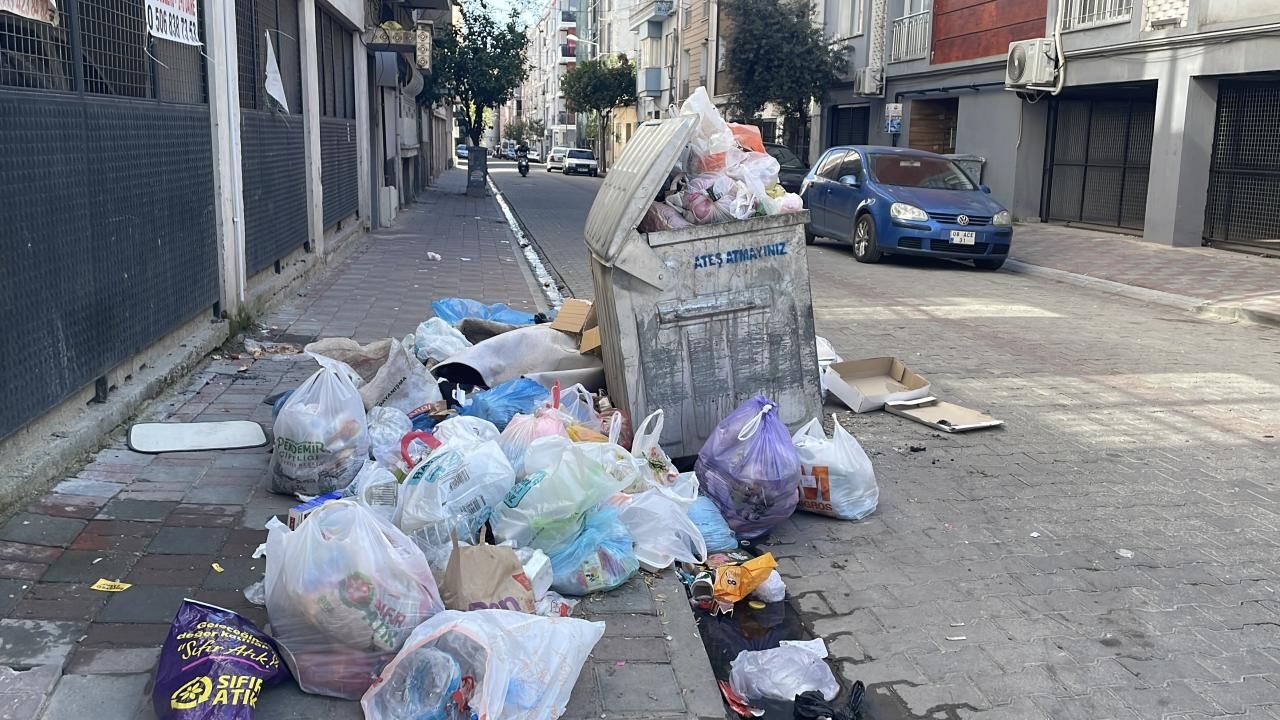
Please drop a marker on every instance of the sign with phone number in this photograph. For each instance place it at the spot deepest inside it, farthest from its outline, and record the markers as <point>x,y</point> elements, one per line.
<point>174,20</point>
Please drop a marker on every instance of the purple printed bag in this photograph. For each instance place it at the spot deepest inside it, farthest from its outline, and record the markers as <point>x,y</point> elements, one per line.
<point>750,470</point>
<point>213,666</point>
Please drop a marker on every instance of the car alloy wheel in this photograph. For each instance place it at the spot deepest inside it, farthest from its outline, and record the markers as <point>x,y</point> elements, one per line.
<point>864,241</point>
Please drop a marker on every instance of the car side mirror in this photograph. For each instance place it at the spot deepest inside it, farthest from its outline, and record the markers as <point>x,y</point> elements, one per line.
<point>985,189</point>
<point>850,180</point>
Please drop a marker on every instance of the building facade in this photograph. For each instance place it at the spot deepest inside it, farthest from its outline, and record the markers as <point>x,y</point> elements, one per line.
<point>551,53</point>
<point>1152,117</point>
<point>157,176</point>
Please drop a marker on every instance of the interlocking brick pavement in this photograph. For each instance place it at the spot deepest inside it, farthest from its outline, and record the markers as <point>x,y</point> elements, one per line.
<point>160,522</point>
<point>1225,280</point>
<point>1129,427</point>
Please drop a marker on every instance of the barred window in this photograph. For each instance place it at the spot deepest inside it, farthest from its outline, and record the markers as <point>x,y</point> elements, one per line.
<point>113,54</point>
<point>255,20</point>
<point>337,74</point>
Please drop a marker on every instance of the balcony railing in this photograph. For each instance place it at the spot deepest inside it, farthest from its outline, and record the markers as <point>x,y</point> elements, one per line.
<point>568,17</point>
<point>1086,13</point>
<point>568,53</point>
<point>566,118</point>
<point>911,36</point>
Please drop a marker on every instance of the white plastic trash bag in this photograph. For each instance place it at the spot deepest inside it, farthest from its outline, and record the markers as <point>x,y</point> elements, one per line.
<point>386,428</point>
<point>435,340</point>
<point>376,488</point>
<point>661,530</point>
<point>393,376</point>
<point>773,589</point>
<point>827,356</point>
<point>453,490</point>
<point>521,667</point>
<point>321,435</point>
<point>464,431</point>
<point>547,506</point>
<point>344,590</point>
<point>836,477</point>
<point>782,673</point>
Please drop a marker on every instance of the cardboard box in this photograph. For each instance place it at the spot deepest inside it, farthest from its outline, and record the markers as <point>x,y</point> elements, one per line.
<point>298,513</point>
<point>590,340</point>
<point>868,384</point>
<point>943,416</point>
<point>575,316</point>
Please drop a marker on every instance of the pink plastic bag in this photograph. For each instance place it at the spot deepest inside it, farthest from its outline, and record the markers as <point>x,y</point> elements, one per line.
<point>661,216</point>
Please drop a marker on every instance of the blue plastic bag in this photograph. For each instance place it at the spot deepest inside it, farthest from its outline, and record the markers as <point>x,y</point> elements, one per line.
<point>750,470</point>
<point>599,558</point>
<point>504,401</point>
<point>453,310</point>
<point>715,531</point>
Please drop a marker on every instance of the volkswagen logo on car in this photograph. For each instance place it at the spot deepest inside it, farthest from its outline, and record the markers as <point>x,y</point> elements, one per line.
<point>962,220</point>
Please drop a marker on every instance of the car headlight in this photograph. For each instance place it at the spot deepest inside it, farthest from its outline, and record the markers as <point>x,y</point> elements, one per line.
<point>903,211</point>
<point>1004,217</point>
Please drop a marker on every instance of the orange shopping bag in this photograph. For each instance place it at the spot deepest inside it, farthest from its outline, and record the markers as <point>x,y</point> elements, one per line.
<point>735,582</point>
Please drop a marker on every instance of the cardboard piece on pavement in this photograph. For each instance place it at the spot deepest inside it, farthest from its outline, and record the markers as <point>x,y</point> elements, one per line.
<point>941,415</point>
<point>575,316</point>
<point>590,340</point>
<point>868,384</point>
<point>300,512</point>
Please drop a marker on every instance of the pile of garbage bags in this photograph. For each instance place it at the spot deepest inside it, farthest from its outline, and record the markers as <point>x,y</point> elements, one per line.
<point>726,175</point>
<point>447,528</point>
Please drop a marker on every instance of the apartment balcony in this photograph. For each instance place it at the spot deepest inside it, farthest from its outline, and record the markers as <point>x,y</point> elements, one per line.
<point>568,19</point>
<point>911,37</point>
<point>568,54</point>
<point>1079,14</point>
<point>652,10</point>
<point>649,82</point>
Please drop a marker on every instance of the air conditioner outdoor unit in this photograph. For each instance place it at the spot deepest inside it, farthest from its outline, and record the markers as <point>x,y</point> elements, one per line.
<point>869,82</point>
<point>1031,63</point>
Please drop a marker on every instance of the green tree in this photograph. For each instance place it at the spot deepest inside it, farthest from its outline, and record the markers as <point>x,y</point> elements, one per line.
<point>476,65</point>
<point>516,131</point>
<point>535,130</point>
<point>776,54</point>
<point>599,86</point>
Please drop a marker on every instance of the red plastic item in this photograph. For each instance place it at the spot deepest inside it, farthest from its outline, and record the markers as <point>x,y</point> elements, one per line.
<point>748,136</point>
<point>431,440</point>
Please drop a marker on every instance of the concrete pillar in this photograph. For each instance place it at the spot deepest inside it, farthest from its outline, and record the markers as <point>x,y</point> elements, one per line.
<point>363,134</point>
<point>224,123</point>
<point>1181,150</point>
<point>311,122</point>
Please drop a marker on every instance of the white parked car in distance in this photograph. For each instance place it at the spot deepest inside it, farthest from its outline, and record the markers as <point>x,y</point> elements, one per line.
<point>555,161</point>
<point>578,161</point>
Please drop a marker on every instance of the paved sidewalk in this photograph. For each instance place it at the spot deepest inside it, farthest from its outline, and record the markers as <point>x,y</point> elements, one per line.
<point>1214,281</point>
<point>160,522</point>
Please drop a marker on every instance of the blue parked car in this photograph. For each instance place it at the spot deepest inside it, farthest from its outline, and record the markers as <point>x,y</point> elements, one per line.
<point>887,200</point>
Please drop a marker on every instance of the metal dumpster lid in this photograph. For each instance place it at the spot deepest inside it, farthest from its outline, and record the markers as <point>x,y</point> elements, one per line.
<point>629,188</point>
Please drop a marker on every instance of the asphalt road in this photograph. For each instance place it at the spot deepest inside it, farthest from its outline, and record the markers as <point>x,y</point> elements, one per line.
<point>553,207</point>
<point>1112,552</point>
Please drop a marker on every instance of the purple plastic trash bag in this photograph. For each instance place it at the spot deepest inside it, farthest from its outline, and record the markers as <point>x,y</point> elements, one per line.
<point>213,666</point>
<point>750,470</point>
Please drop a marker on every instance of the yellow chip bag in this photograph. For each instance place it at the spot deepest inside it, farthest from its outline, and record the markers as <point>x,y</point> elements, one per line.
<point>735,582</point>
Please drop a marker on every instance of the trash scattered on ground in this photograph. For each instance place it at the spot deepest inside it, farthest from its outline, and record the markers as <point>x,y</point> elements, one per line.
<point>1035,534</point>
<point>956,638</point>
<point>486,664</point>
<point>711,525</point>
<point>213,665</point>
<point>157,438</point>
<point>782,673</point>
<point>750,469</point>
<point>940,415</point>
<point>321,436</point>
<point>811,705</point>
<point>1124,553</point>
<point>484,576</point>
<point>836,477</point>
<point>736,581</point>
<point>434,257</point>
<point>454,310</point>
<point>105,585</point>
<point>217,567</point>
<point>865,385</point>
<point>916,448</point>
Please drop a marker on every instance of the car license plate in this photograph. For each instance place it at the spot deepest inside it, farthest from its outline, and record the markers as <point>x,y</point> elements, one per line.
<point>963,237</point>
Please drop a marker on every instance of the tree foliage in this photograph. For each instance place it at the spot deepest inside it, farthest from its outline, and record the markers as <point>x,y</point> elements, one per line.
<point>535,130</point>
<point>477,65</point>
<point>515,131</point>
<point>776,54</point>
<point>600,85</point>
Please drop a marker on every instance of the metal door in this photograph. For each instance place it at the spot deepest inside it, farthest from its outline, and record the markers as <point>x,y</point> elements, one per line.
<point>848,126</point>
<point>1244,177</point>
<point>272,146</point>
<point>106,180</point>
<point>1099,158</point>
<point>339,174</point>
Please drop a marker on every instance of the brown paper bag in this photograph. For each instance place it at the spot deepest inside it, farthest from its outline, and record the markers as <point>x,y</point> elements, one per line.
<point>486,576</point>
